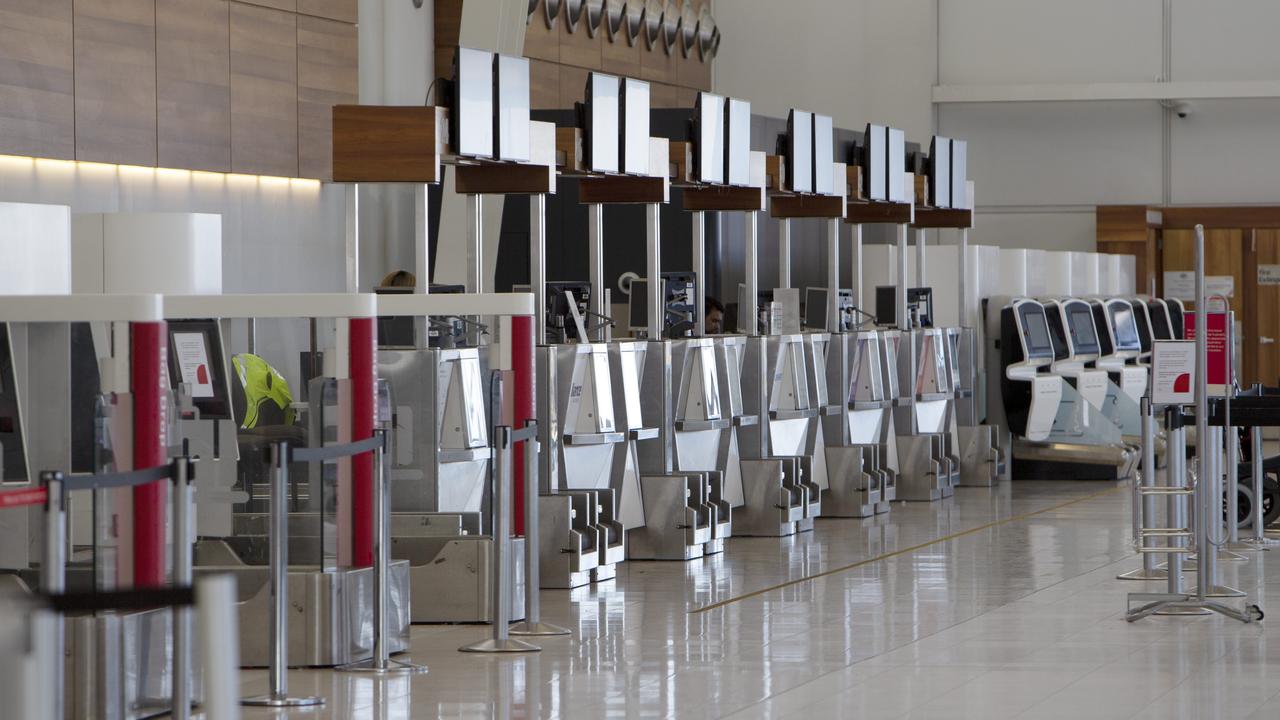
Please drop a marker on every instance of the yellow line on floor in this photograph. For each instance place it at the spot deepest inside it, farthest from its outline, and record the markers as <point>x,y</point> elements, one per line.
<point>904,551</point>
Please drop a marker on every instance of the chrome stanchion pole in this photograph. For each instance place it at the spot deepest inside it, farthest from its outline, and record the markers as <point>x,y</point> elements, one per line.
<point>1178,514</point>
<point>182,576</point>
<point>381,662</point>
<point>532,624</point>
<point>279,545</point>
<point>1215,528</point>
<point>53,576</point>
<point>216,623</point>
<point>1144,503</point>
<point>1232,487</point>
<point>500,600</point>
<point>1259,529</point>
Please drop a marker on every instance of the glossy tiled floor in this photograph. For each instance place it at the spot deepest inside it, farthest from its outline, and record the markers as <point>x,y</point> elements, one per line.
<point>1017,614</point>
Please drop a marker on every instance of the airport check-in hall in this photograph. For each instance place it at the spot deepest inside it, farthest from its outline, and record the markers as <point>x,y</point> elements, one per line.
<point>638,358</point>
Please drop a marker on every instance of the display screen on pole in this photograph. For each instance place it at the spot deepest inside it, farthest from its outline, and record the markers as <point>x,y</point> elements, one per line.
<point>940,172</point>
<point>195,360</point>
<point>896,141</point>
<point>875,176</point>
<point>823,155</point>
<point>709,136</point>
<point>512,119</point>
<point>602,127</point>
<point>738,142</point>
<point>800,151</point>
<point>635,127</point>
<point>471,117</point>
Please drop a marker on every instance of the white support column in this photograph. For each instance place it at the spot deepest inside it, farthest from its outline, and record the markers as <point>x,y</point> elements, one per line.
<point>421,239</point>
<point>353,238</point>
<point>963,301</point>
<point>747,317</point>
<point>784,253</point>
<point>902,279</point>
<point>921,275</point>
<point>538,265</point>
<point>595,262</point>
<point>700,272</point>
<point>833,275</point>
<point>653,235</point>
<point>857,265</point>
<point>475,244</point>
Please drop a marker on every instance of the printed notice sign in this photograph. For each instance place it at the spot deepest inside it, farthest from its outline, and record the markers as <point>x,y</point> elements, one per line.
<point>1218,341</point>
<point>1173,372</point>
<point>1181,284</point>
<point>193,363</point>
<point>1269,274</point>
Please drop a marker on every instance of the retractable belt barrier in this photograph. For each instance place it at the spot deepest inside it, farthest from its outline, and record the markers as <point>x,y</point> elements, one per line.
<point>214,596</point>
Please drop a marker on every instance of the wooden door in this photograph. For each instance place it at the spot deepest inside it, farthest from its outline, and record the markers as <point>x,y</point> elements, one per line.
<point>1224,255</point>
<point>1266,326</point>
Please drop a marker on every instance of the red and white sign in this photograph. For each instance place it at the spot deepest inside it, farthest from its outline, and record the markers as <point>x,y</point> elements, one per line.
<point>1173,372</point>
<point>1218,339</point>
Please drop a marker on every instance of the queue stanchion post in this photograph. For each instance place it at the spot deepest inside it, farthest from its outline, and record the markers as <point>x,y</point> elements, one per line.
<point>1259,540</point>
<point>500,593</point>
<point>381,662</point>
<point>1144,499</point>
<point>279,572</point>
<point>532,624</point>
<point>53,575</point>
<point>182,577</point>
<point>218,632</point>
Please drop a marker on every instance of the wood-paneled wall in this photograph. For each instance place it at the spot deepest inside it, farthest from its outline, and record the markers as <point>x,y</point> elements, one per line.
<point>560,59</point>
<point>221,85</point>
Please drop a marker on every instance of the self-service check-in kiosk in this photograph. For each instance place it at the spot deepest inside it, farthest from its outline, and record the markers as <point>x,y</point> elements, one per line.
<point>1121,346</point>
<point>1059,431</point>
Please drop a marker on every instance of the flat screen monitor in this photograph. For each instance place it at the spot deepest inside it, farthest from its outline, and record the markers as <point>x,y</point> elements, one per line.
<point>1160,329</point>
<point>800,151</point>
<point>1144,325</point>
<point>635,127</point>
<point>1084,337</point>
<point>600,136</point>
<point>511,82</point>
<point>709,138</point>
<point>638,305</point>
<point>875,176</point>
<point>815,308</point>
<point>887,305</point>
<point>824,139</point>
<point>1035,330</point>
<point>896,147</point>
<point>195,359</point>
<point>940,172</point>
<point>960,174</point>
<point>737,161</point>
<point>471,117</point>
<point>1125,327</point>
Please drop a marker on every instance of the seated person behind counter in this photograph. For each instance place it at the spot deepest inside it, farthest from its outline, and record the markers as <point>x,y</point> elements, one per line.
<point>715,316</point>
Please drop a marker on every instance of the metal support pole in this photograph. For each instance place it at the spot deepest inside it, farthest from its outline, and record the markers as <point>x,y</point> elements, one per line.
<point>857,266</point>
<point>1203,443</point>
<point>833,275</point>
<point>595,261</point>
<point>279,548</point>
<point>902,281</point>
<point>182,576</point>
<point>963,292</point>
<point>1176,476</point>
<point>538,265</point>
<point>352,239</point>
<point>500,566</point>
<point>1144,503</point>
<point>784,253</point>
<point>920,258</point>
<point>251,328</point>
<point>381,662</point>
<point>53,577</point>
<point>1259,537</point>
<point>749,316</point>
<point>217,623</point>
<point>1230,481</point>
<point>475,258</point>
<point>653,266</point>
<point>700,273</point>
<point>532,624</point>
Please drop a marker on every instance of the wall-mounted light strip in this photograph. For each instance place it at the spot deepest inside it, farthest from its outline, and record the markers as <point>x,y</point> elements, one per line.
<point>173,174</point>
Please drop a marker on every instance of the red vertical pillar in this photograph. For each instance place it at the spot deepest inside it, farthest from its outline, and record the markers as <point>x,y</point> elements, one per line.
<point>522,367</point>
<point>363,342</point>
<point>148,382</point>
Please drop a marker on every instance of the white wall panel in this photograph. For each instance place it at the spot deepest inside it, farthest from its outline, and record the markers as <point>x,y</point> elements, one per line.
<point>1051,230</point>
<point>35,249</point>
<point>1059,153</point>
<point>1226,152</point>
<point>1233,40</point>
<point>1050,41</point>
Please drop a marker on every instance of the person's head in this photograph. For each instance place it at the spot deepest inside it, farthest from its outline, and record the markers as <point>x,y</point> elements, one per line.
<point>399,278</point>
<point>715,316</point>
